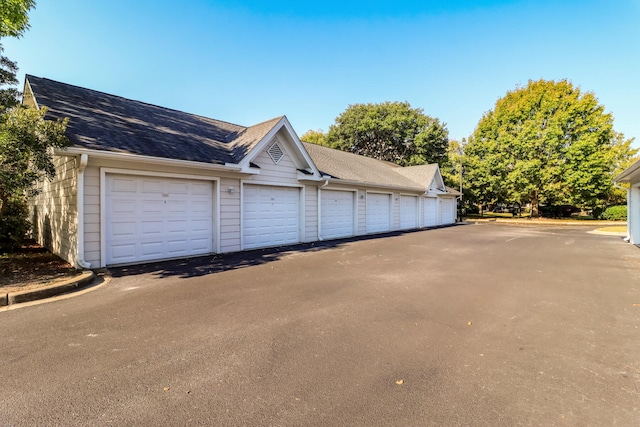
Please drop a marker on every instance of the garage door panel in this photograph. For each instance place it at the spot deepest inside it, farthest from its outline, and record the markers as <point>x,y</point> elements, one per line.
<point>177,187</point>
<point>151,227</point>
<point>448,211</point>
<point>153,219</point>
<point>152,207</point>
<point>124,229</point>
<point>336,214</point>
<point>430,217</point>
<point>408,212</point>
<point>154,248</point>
<point>154,186</point>
<point>378,213</point>
<point>270,216</point>
<point>120,206</point>
<point>123,185</point>
<point>123,253</point>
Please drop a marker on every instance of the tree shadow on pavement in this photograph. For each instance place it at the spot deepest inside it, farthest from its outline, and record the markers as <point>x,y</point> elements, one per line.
<point>216,263</point>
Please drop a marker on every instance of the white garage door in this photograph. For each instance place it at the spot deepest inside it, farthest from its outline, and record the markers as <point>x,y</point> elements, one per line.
<point>270,215</point>
<point>408,212</point>
<point>150,218</point>
<point>336,214</point>
<point>378,212</point>
<point>430,217</point>
<point>448,211</point>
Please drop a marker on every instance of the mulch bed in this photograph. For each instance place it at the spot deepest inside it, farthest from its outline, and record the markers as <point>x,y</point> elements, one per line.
<point>32,266</point>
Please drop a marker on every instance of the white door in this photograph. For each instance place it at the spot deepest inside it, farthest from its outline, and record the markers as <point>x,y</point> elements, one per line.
<point>430,217</point>
<point>378,212</point>
<point>448,211</point>
<point>150,218</point>
<point>336,214</point>
<point>408,212</point>
<point>270,216</point>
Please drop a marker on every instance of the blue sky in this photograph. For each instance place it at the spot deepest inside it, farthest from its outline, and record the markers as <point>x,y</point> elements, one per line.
<point>246,61</point>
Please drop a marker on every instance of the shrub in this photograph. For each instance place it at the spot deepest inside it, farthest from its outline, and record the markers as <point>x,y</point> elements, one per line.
<point>615,213</point>
<point>13,223</point>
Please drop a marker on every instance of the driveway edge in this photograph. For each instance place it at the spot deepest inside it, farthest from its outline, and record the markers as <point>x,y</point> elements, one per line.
<point>78,282</point>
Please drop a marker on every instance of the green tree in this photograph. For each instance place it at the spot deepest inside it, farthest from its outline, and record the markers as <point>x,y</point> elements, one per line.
<point>14,18</point>
<point>315,137</point>
<point>8,91</point>
<point>391,131</point>
<point>545,143</point>
<point>451,166</point>
<point>26,138</point>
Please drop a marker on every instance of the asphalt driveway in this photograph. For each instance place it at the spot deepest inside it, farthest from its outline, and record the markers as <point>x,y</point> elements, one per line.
<point>469,325</point>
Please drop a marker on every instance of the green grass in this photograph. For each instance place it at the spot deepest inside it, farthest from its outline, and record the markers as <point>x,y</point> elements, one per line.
<point>497,215</point>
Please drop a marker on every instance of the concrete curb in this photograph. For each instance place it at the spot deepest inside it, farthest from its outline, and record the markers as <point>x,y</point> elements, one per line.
<point>583,223</point>
<point>76,283</point>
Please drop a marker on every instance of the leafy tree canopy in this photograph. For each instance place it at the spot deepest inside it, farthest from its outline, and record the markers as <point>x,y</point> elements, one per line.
<point>545,143</point>
<point>26,138</point>
<point>391,131</point>
<point>315,137</point>
<point>14,18</point>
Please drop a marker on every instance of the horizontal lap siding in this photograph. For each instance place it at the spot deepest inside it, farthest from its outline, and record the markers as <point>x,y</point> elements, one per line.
<point>284,172</point>
<point>92,215</point>
<point>229,215</point>
<point>311,214</point>
<point>395,211</point>
<point>54,210</point>
<point>361,229</point>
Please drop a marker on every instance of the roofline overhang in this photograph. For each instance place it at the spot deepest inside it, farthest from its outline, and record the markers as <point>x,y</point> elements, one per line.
<point>373,185</point>
<point>110,155</point>
<point>268,137</point>
<point>628,172</point>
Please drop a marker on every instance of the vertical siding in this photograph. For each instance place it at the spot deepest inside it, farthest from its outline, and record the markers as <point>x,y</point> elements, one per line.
<point>311,214</point>
<point>229,215</point>
<point>54,210</point>
<point>92,215</point>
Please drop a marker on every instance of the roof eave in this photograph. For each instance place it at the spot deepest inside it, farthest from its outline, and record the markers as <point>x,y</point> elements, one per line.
<point>373,185</point>
<point>161,161</point>
<point>628,174</point>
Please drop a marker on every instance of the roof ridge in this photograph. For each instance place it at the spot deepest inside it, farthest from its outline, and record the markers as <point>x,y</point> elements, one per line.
<point>27,76</point>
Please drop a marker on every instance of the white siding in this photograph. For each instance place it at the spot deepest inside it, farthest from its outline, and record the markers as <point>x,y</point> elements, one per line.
<point>362,212</point>
<point>285,172</point>
<point>229,215</point>
<point>54,210</point>
<point>311,214</point>
<point>395,211</point>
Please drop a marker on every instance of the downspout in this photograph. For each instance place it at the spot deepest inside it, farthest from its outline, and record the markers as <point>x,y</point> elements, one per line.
<point>326,182</point>
<point>84,159</point>
<point>628,190</point>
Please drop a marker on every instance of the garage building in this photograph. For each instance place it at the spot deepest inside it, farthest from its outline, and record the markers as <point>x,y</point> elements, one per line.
<point>143,183</point>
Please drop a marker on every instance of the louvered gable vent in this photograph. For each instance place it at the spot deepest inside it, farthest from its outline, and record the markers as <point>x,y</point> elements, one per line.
<point>275,152</point>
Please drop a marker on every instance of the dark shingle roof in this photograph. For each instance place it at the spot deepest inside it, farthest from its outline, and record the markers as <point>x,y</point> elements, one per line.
<point>106,122</point>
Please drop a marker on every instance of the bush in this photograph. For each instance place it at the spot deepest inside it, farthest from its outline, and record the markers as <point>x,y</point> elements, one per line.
<point>13,224</point>
<point>615,213</point>
<point>558,211</point>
